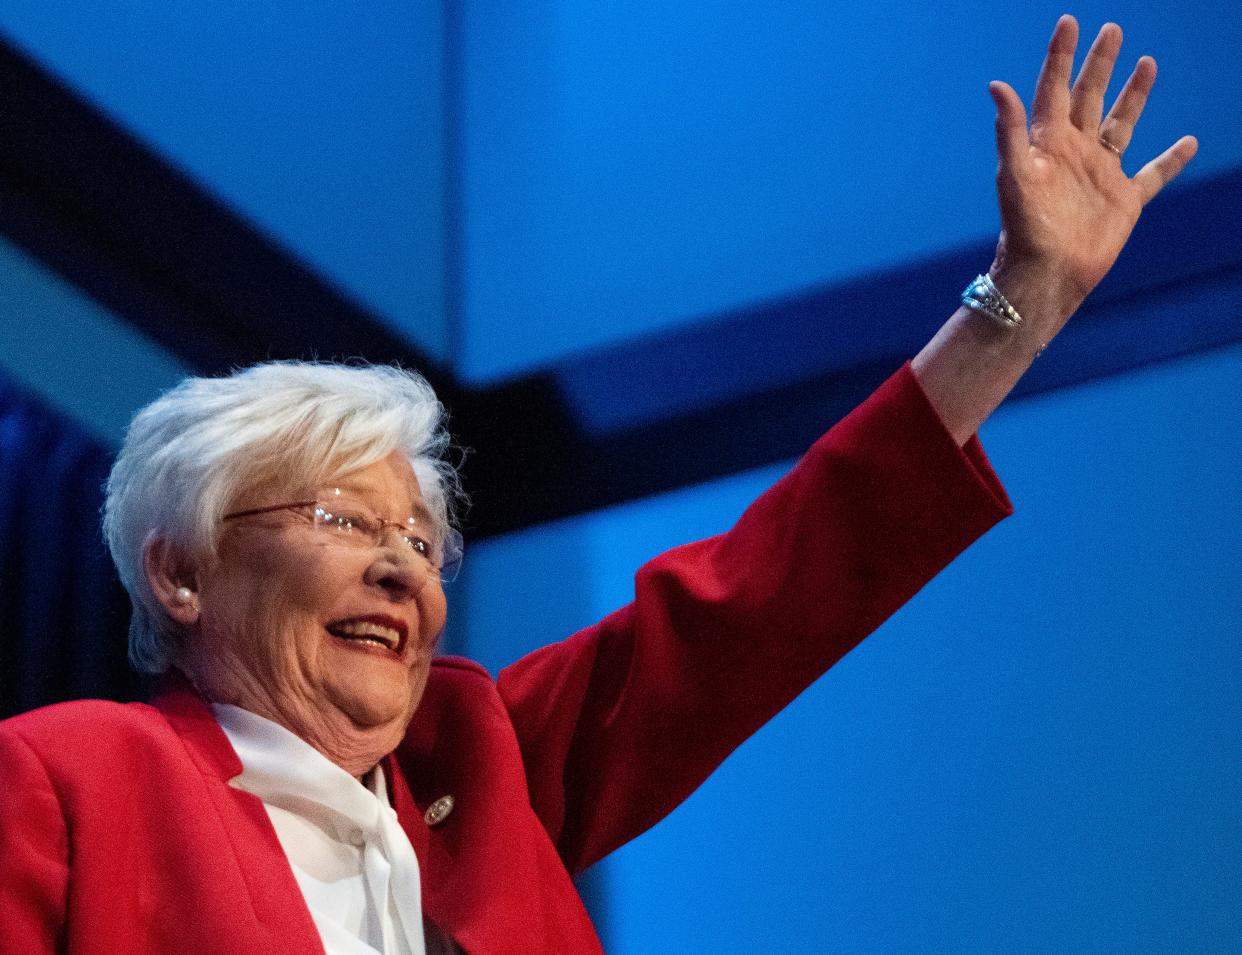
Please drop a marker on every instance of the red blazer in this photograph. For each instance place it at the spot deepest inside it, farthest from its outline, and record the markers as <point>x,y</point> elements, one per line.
<point>119,832</point>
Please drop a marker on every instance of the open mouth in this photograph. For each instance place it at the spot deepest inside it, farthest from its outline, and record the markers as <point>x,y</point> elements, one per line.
<point>375,631</point>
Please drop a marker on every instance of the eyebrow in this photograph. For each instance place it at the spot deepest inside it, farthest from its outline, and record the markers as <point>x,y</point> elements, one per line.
<point>422,512</point>
<point>418,509</point>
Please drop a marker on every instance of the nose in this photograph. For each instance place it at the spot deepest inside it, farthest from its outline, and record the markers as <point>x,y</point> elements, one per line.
<point>401,575</point>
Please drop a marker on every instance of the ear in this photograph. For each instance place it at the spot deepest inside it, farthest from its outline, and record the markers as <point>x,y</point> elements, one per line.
<point>173,581</point>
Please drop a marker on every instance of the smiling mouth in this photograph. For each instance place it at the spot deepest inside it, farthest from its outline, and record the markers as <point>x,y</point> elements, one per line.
<point>381,632</point>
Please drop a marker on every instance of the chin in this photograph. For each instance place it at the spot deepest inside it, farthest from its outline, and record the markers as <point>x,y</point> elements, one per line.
<point>370,705</point>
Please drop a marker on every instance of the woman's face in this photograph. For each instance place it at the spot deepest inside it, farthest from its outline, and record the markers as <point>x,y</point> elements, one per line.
<point>292,616</point>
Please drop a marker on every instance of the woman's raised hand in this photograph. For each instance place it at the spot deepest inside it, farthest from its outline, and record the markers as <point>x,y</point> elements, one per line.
<point>1067,207</point>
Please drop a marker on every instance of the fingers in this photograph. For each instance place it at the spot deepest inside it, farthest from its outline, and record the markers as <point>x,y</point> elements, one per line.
<point>1052,96</point>
<point>1011,138</point>
<point>1164,168</point>
<point>1118,125</point>
<point>1087,98</point>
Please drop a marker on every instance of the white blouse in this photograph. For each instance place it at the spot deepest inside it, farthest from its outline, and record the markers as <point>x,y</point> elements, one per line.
<point>349,855</point>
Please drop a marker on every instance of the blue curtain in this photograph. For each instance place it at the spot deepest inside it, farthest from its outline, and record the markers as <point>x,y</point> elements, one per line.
<point>63,613</point>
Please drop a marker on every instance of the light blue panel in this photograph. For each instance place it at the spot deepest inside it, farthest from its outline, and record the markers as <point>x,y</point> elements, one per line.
<point>629,166</point>
<point>321,123</point>
<point>520,592</point>
<point>1039,753</point>
<point>75,355</point>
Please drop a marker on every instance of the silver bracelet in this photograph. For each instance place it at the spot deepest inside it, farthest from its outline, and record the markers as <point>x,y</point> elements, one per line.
<point>983,296</point>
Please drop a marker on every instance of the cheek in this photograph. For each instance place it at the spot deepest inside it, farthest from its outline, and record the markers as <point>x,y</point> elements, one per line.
<point>273,594</point>
<point>434,610</point>
<point>309,577</point>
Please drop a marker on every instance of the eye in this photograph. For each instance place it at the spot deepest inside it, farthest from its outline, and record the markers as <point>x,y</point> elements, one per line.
<point>346,520</point>
<point>417,539</point>
<point>418,544</point>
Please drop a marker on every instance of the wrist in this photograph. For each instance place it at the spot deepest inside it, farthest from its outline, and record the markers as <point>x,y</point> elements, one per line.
<point>1038,292</point>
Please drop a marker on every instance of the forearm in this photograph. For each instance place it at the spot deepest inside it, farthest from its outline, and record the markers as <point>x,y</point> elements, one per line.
<point>623,720</point>
<point>973,362</point>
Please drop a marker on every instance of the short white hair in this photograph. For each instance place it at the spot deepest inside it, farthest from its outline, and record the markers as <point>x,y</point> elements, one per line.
<point>190,454</point>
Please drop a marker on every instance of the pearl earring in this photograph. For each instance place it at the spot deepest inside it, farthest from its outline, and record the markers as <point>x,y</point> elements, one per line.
<point>184,594</point>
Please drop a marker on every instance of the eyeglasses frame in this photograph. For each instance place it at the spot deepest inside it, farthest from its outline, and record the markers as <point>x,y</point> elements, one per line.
<point>452,536</point>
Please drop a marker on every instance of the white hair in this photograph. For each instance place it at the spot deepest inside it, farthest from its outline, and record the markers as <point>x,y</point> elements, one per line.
<point>192,452</point>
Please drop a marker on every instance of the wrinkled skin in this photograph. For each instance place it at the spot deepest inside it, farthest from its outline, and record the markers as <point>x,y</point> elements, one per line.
<point>258,638</point>
<point>1067,206</point>
<point>1067,209</point>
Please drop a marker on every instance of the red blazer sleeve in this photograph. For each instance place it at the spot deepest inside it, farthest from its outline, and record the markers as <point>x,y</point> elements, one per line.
<point>622,721</point>
<point>34,855</point>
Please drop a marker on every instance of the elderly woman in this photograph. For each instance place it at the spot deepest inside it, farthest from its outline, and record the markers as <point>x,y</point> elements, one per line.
<point>313,778</point>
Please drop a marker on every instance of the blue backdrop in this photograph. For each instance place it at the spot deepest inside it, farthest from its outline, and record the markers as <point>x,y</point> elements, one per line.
<point>1040,752</point>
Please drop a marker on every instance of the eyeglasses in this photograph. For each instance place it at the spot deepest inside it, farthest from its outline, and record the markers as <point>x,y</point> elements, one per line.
<point>354,524</point>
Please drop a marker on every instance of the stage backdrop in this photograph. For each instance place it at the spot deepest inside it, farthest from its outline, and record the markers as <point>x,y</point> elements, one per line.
<point>1038,754</point>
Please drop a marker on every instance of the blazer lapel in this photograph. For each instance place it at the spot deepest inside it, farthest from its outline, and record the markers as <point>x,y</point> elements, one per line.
<point>265,879</point>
